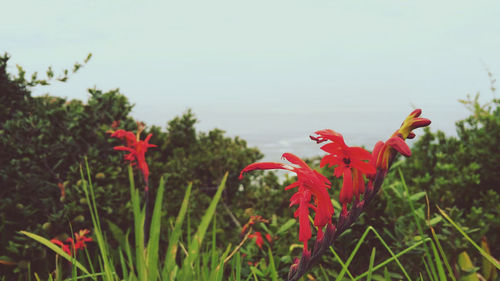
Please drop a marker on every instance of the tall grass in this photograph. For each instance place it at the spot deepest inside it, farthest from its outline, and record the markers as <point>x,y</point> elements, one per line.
<point>187,259</point>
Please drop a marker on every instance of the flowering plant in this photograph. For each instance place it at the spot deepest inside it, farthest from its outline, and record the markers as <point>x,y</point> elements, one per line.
<point>362,173</point>
<point>71,246</point>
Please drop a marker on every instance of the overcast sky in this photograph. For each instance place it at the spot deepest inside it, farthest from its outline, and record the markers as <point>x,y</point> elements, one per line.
<point>266,66</point>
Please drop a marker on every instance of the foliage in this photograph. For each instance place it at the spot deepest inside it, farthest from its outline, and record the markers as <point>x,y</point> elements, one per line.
<point>460,174</point>
<point>44,140</point>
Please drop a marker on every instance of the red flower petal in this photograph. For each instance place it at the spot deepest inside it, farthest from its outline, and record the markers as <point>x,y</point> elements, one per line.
<point>365,168</point>
<point>346,191</point>
<point>264,166</point>
<point>359,153</point>
<point>399,145</point>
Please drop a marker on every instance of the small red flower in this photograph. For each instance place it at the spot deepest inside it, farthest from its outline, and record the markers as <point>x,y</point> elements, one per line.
<point>137,149</point>
<point>63,246</point>
<point>251,222</point>
<point>115,124</point>
<point>311,185</point>
<point>269,238</point>
<point>349,162</point>
<point>71,246</point>
<point>81,239</point>
<point>258,238</point>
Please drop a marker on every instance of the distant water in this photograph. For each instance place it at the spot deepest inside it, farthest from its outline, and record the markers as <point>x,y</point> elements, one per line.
<point>275,134</point>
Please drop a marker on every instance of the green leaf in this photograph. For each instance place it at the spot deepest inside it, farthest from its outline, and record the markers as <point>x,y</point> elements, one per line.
<point>173,242</point>
<point>435,220</point>
<point>417,196</point>
<point>287,225</point>
<point>272,267</point>
<point>196,241</point>
<point>481,251</point>
<point>466,266</point>
<point>370,268</point>
<point>154,235</point>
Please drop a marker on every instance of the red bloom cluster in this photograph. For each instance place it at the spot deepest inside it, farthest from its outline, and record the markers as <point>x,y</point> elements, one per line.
<point>311,186</point>
<point>258,238</point>
<point>137,149</point>
<point>349,162</point>
<point>354,164</point>
<point>256,234</point>
<point>71,245</point>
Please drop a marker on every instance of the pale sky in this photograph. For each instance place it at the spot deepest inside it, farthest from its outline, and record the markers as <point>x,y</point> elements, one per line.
<point>265,67</point>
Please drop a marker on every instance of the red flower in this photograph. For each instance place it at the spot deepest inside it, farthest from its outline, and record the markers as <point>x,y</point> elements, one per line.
<point>311,185</point>
<point>115,124</point>
<point>350,164</point>
<point>252,221</point>
<point>64,247</point>
<point>383,151</point>
<point>71,246</point>
<point>258,238</point>
<point>268,237</point>
<point>136,148</point>
<point>81,239</point>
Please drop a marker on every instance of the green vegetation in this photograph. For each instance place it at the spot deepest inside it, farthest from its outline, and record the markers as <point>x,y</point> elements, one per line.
<point>436,218</point>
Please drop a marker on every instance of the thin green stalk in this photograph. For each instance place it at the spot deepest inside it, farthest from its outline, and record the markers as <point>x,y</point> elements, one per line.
<point>431,277</point>
<point>439,264</point>
<point>390,252</point>
<point>274,273</point>
<point>417,222</point>
<point>384,263</point>
<point>88,189</point>
<point>341,262</point>
<point>481,251</point>
<point>138,229</point>
<point>173,243</point>
<point>349,260</point>
<point>153,245</point>
<point>370,267</point>
<point>194,246</point>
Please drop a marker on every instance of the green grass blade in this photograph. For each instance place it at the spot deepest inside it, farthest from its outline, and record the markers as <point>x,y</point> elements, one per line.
<point>443,255</point>
<point>213,252</point>
<point>154,235</point>
<point>481,251</point>
<point>174,237</point>
<point>218,271</point>
<point>419,226</point>
<point>384,263</point>
<point>88,189</point>
<point>349,260</point>
<point>123,264</point>
<point>341,263</point>
<point>390,252</point>
<point>238,267</point>
<point>387,276</point>
<point>439,264</point>
<point>272,267</point>
<point>370,267</point>
<point>194,246</point>
<point>89,260</point>
<point>325,276</point>
<point>431,276</point>
<point>56,249</point>
<point>139,215</point>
